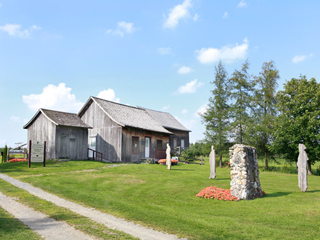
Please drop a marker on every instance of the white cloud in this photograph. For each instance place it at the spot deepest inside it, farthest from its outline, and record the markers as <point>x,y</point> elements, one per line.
<point>122,28</point>
<point>190,87</point>
<point>165,51</point>
<point>225,15</point>
<point>242,4</point>
<point>196,17</point>
<point>300,58</point>
<point>15,30</point>
<point>166,107</point>
<point>55,98</point>
<point>178,12</point>
<point>108,95</point>
<point>201,110</point>
<point>15,119</point>
<point>184,111</point>
<point>184,70</point>
<point>226,53</point>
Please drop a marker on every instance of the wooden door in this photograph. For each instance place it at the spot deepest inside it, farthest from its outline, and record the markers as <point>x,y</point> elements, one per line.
<point>147,147</point>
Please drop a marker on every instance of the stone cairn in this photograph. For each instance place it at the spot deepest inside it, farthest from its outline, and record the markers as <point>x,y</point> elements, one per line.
<point>245,182</point>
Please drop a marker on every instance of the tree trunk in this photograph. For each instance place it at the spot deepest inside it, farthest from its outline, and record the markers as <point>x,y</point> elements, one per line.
<point>309,168</point>
<point>220,161</point>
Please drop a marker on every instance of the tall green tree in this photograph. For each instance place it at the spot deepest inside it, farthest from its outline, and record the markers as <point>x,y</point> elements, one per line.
<point>216,118</point>
<point>241,90</point>
<point>5,152</point>
<point>299,120</point>
<point>265,108</point>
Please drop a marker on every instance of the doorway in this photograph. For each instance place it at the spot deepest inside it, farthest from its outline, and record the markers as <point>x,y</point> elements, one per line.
<point>92,145</point>
<point>147,147</point>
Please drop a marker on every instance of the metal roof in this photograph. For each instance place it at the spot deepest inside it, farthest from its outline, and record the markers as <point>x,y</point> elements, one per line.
<point>129,116</point>
<point>59,118</point>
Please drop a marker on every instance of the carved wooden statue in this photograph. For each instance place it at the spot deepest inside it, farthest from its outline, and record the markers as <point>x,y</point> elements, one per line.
<point>302,168</point>
<point>168,153</point>
<point>212,162</point>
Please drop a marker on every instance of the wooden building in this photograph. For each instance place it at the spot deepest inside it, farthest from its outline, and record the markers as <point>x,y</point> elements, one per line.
<point>180,134</point>
<point>128,134</point>
<point>66,135</point>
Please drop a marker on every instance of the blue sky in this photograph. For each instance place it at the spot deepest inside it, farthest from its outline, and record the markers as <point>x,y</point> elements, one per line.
<point>155,54</point>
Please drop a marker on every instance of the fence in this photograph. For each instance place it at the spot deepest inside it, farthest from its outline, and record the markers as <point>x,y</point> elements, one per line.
<point>95,155</point>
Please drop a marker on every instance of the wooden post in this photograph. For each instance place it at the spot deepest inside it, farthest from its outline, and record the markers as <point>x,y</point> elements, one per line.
<point>201,160</point>
<point>44,154</point>
<point>8,150</point>
<point>29,157</point>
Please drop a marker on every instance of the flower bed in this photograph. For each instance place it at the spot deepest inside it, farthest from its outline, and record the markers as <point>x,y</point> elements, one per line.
<point>217,193</point>
<point>18,160</point>
<point>165,160</point>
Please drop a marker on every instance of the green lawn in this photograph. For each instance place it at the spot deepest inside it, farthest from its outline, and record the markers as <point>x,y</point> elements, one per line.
<point>165,200</point>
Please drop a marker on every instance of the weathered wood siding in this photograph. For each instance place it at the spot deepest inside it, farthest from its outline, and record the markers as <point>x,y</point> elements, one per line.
<point>128,133</point>
<point>71,142</point>
<point>108,133</point>
<point>42,129</point>
<point>179,135</point>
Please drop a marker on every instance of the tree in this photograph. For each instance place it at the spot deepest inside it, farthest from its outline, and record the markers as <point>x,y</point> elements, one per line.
<point>216,118</point>
<point>241,88</point>
<point>4,157</point>
<point>265,108</point>
<point>299,120</point>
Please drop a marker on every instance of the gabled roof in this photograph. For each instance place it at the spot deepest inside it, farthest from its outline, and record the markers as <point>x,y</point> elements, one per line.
<point>59,118</point>
<point>167,120</point>
<point>126,116</point>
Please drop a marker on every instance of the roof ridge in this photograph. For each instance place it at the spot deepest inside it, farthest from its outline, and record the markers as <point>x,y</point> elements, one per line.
<point>115,102</point>
<point>57,111</point>
<point>152,110</point>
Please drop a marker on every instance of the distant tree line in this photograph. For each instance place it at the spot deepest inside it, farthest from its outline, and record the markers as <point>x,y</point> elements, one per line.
<point>247,109</point>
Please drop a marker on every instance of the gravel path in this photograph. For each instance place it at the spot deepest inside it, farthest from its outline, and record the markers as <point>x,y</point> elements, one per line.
<point>46,227</point>
<point>108,220</point>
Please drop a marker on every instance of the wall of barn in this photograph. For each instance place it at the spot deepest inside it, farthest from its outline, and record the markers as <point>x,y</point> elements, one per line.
<point>178,136</point>
<point>42,129</point>
<point>108,133</point>
<point>71,142</point>
<point>127,143</point>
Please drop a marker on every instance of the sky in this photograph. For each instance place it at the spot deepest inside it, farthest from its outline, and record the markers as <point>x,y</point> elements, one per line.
<point>154,54</point>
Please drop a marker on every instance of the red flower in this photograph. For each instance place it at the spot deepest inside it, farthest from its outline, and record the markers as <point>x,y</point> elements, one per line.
<point>217,193</point>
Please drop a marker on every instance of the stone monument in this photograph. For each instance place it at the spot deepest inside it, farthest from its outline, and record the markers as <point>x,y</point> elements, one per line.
<point>168,154</point>
<point>245,182</point>
<point>212,162</point>
<point>302,168</point>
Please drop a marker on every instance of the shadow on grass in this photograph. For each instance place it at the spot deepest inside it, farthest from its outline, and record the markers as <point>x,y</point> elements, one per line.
<point>221,179</point>
<point>277,194</point>
<point>181,169</point>
<point>313,191</point>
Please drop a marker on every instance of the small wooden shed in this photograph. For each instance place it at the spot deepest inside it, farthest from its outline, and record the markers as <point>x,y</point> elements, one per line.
<point>65,133</point>
<point>128,134</point>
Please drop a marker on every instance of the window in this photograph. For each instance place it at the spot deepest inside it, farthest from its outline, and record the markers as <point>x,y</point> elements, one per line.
<point>135,145</point>
<point>159,144</point>
<point>175,143</point>
<point>182,143</point>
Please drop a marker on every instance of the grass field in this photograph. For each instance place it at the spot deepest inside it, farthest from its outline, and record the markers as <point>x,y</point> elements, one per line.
<point>165,200</point>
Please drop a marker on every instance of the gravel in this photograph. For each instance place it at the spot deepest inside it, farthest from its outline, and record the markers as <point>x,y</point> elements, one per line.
<point>46,227</point>
<point>108,220</point>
